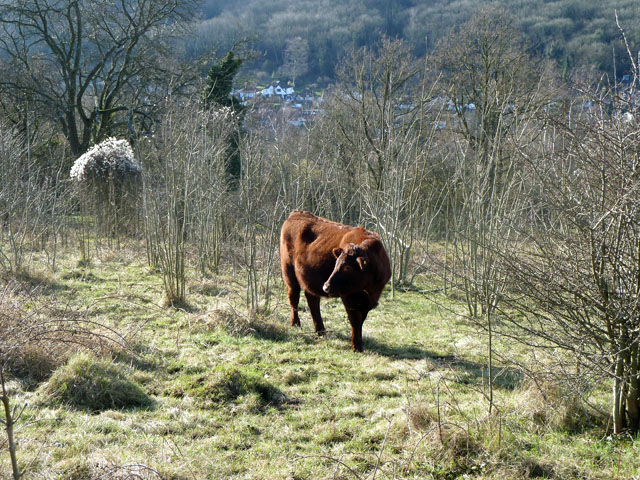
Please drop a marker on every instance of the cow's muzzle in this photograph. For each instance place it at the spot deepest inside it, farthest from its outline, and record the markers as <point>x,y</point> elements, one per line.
<point>329,289</point>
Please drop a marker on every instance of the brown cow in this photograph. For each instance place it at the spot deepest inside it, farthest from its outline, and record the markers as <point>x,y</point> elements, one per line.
<point>329,259</point>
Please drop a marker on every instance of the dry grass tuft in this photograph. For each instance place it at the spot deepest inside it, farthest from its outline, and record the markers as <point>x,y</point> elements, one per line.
<point>239,325</point>
<point>452,448</point>
<point>34,363</point>
<point>227,385</point>
<point>553,403</point>
<point>420,416</point>
<point>523,468</point>
<point>228,321</point>
<point>39,334</point>
<point>130,472</point>
<point>81,469</point>
<point>292,377</point>
<point>458,443</point>
<point>27,281</point>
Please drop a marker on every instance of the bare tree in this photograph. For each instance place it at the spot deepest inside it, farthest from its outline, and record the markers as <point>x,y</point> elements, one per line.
<point>577,285</point>
<point>301,160</point>
<point>93,67</point>
<point>30,201</point>
<point>386,130</point>
<point>260,211</point>
<point>496,91</point>
<point>185,191</point>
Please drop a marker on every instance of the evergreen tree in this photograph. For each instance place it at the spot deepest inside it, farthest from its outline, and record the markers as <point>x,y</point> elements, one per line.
<point>220,82</point>
<point>217,92</point>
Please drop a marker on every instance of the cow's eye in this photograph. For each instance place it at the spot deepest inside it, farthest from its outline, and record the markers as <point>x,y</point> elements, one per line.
<point>348,268</point>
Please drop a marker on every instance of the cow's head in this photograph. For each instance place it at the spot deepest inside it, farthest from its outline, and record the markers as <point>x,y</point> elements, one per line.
<point>348,273</point>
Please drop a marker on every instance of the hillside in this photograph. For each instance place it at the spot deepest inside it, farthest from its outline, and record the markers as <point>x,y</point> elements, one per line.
<point>574,33</point>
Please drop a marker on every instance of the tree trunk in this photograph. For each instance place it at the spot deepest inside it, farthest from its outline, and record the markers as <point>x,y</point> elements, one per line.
<point>8,425</point>
<point>490,369</point>
<point>618,387</point>
<point>633,397</point>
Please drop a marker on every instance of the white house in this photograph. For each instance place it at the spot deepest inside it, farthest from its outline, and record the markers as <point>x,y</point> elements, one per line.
<point>277,89</point>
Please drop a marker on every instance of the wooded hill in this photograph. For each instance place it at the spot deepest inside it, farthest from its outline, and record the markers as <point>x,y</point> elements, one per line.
<point>314,35</point>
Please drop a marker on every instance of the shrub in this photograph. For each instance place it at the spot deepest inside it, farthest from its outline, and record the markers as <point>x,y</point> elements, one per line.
<point>107,161</point>
<point>89,383</point>
<point>108,180</point>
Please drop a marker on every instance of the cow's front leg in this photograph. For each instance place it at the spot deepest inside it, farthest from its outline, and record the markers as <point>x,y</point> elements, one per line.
<point>356,319</point>
<point>314,307</point>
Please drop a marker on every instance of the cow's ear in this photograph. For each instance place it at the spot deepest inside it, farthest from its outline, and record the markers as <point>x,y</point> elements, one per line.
<point>337,252</point>
<point>362,262</point>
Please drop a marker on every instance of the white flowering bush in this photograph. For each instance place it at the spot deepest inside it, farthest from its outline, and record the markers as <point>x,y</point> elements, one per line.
<point>111,159</point>
<point>108,182</point>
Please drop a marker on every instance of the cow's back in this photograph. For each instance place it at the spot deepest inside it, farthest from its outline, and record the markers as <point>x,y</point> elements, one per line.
<point>306,247</point>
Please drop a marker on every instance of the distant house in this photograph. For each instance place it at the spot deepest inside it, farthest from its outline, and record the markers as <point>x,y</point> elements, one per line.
<point>277,89</point>
<point>245,94</point>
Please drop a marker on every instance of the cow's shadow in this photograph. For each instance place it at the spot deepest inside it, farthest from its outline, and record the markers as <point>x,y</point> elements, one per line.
<point>403,352</point>
<point>467,371</point>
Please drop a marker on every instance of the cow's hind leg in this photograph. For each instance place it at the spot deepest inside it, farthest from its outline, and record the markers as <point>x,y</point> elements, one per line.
<point>293,293</point>
<point>314,307</point>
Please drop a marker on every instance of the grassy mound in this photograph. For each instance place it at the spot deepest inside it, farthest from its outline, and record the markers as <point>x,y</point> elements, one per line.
<point>229,385</point>
<point>93,384</point>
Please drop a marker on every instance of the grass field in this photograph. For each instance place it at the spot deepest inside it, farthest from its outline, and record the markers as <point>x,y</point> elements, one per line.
<point>221,394</point>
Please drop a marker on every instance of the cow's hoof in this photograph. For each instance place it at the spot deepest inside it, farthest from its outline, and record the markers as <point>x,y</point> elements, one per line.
<point>321,333</point>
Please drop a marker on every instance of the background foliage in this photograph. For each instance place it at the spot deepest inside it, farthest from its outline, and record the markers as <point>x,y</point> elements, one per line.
<point>573,33</point>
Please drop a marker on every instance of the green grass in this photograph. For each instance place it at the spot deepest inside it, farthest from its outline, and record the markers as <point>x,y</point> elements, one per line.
<point>239,396</point>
